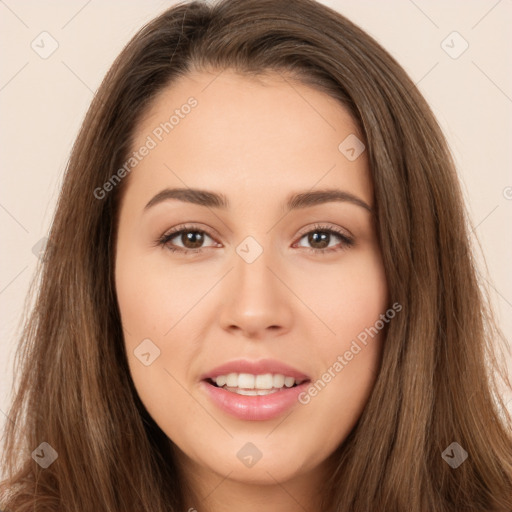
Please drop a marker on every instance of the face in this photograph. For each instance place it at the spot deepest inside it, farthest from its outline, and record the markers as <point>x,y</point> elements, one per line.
<point>251,309</point>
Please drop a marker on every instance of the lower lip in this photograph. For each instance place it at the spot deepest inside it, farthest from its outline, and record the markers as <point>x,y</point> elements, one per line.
<point>254,408</point>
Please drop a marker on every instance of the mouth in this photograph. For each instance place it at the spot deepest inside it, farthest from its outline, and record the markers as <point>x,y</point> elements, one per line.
<point>248,384</point>
<point>254,390</point>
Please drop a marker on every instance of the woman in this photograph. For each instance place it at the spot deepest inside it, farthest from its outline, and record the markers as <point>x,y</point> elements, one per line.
<point>258,287</point>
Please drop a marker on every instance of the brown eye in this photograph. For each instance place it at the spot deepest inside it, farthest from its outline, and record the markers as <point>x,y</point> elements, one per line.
<point>185,240</point>
<point>192,239</point>
<point>320,239</point>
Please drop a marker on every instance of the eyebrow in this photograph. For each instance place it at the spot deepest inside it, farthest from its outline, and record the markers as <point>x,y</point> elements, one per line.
<point>220,201</point>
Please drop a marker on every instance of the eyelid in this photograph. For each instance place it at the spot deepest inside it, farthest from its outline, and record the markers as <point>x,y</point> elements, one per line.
<point>191,226</point>
<point>176,230</point>
<point>347,239</point>
<point>326,226</point>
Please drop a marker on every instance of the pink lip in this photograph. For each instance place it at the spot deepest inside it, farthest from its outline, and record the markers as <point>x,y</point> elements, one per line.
<point>254,408</point>
<point>256,368</point>
<point>259,407</point>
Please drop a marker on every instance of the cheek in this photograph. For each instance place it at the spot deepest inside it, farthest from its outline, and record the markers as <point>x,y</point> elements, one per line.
<point>149,307</point>
<point>352,303</point>
<point>350,298</point>
<point>151,298</point>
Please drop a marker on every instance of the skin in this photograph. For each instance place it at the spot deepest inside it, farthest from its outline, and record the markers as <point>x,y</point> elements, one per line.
<point>255,141</point>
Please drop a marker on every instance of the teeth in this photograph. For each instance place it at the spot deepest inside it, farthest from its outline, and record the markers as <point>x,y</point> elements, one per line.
<point>249,384</point>
<point>264,381</point>
<point>253,392</point>
<point>232,380</point>
<point>246,381</point>
<point>289,382</point>
<point>267,391</point>
<point>278,380</point>
<point>221,380</point>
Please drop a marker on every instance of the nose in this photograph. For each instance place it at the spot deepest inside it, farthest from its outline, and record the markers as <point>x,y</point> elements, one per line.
<point>257,302</point>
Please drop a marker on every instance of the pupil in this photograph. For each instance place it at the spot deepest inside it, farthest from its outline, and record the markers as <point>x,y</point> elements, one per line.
<point>194,237</point>
<point>322,239</point>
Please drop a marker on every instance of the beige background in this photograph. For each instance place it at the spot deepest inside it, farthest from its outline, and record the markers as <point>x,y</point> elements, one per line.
<point>43,101</point>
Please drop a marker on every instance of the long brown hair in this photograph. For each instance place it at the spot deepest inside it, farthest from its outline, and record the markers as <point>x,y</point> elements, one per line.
<point>437,381</point>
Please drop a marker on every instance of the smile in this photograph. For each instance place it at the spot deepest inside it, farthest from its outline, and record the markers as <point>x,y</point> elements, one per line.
<point>254,385</point>
<point>254,390</point>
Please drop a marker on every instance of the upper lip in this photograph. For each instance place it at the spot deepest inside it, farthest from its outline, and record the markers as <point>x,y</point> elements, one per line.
<point>259,367</point>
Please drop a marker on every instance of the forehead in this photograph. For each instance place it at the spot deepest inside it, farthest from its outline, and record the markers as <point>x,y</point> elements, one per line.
<point>247,134</point>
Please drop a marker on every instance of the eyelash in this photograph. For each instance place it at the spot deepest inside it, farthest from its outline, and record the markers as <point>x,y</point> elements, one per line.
<point>164,240</point>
